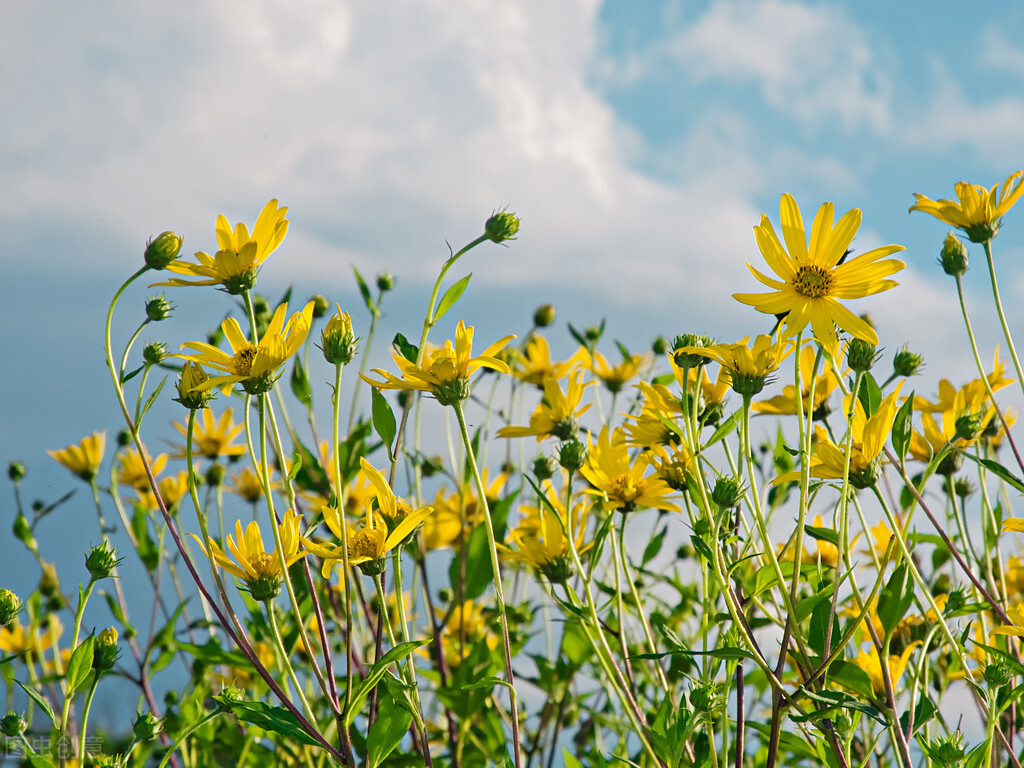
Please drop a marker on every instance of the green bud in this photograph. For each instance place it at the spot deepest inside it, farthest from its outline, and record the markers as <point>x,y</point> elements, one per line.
<point>215,474</point>
<point>968,426</point>
<point>104,652</point>
<point>320,305</point>
<point>385,282</point>
<point>264,588</point>
<point>10,606</point>
<point>432,465</point>
<point>861,355</point>
<point>690,359</point>
<point>659,346</point>
<point>727,492</point>
<point>963,487</point>
<point>49,583</point>
<point>13,725</point>
<point>154,352</point>
<point>953,256</point>
<point>337,341</point>
<point>566,429</point>
<point>101,561</point>
<point>572,454</point>
<point>124,438</point>
<point>16,471</point>
<point>907,363</point>
<point>748,385</point>
<point>544,316</point>
<point>544,467</point>
<point>453,391</point>
<point>948,751</point>
<point>190,393</point>
<point>147,727</point>
<point>502,226</point>
<point>998,674</point>
<point>158,308</point>
<point>162,250</point>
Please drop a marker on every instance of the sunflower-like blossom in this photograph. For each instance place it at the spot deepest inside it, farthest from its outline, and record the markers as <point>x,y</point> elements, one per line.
<point>977,211</point>
<point>748,365</point>
<point>240,254</point>
<point>131,470</point>
<point>392,524</point>
<point>213,438</point>
<point>870,662</point>
<point>456,512</point>
<point>259,569</point>
<point>254,365</point>
<point>615,377</point>
<point>84,458</point>
<point>651,426</point>
<point>444,372</point>
<point>558,413</point>
<point>624,483</point>
<point>963,419</point>
<point>541,538</point>
<point>786,403</point>
<point>813,277</point>
<point>533,363</point>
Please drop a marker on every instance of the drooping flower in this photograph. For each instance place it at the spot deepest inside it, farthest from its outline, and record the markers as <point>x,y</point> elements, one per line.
<point>812,278</point>
<point>557,413</point>
<point>254,365</point>
<point>623,483</point>
<point>259,569</point>
<point>445,372</point>
<point>236,264</point>
<point>977,211</point>
<point>247,484</point>
<point>213,438</point>
<point>83,459</point>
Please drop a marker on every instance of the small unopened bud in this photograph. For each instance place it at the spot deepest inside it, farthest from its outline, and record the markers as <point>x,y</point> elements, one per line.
<point>727,492</point>
<point>659,346</point>
<point>104,652</point>
<point>861,355</point>
<point>124,438</point>
<point>572,454</point>
<point>147,727</point>
<point>320,305</point>
<point>544,467</point>
<point>385,282</point>
<point>502,226</point>
<point>191,393</point>
<point>337,341</point>
<point>162,250</point>
<point>690,358</point>
<point>101,561</point>
<point>10,606</point>
<point>544,315</point>
<point>154,352</point>
<point>963,487</point>
<point>968,426</point>
<point>16,471</point>
<point>158,308</point>
<point>998,674</point>
<point>948,751</point>
<point>907,363</point>
<point>215,474</point>
<point>432,465</point>
<point>49,583</point>
<point>953,256</point>
<point>13,725</point>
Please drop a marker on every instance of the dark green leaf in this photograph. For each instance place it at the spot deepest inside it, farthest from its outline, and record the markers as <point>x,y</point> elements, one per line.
<point>300,384</point>
<point>702,548</point>
<point>870,395</point>
<point>80,664</point>
<point>903,427</point>
<point>269,718</point>
<point>364,290</point>
<point>653,546</point>
<point>378,670</point>
<point>451,296</point>
<point>388,730</point>
<point>402,346</point>
<point>37,697</point>
<point>895,598</point>
<point>383,420</point>
<point>151,399</point>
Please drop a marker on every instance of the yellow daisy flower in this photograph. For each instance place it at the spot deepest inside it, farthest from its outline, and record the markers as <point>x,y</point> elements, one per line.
<point>259,569</point>
<point>533,364</point>
<point>458,511</point>
<point>615,377</point>
<point>464,627</point>
<point>131,471</point>
<point>557,413</point>
<point>254,365</point>
<point>812,278</point>
<point>539,540</point>
<point>83,459</point>
<point>748,366</point>
<point>647,429</point>
<point>212,438</point>
<point>871,663</point>
<point>247,484</point>
<point>445,372</point>
<point>237,262</point>
<point>172,490</point>
<point>621,482</point>
<point>978,212</point>
<point>786,403</point>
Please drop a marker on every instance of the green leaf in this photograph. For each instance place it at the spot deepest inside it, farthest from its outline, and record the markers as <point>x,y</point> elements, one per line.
<point>388,729</point>
<point>451,296</point>
<point>653,546</point>
<point>80,664</point>
<point>375,674</point>
<point>402,346</point>
<point>364,290</point>
<point>569,761</point>
<point>151,399</point>
<point>869,394</point>
<point>39,761</point>
<point>42,703</point>
<point>903,428</point>
<point>487,682</point>
<point>479,573</point>
<point>383,420</point>
<point>849,675</point>
<point>823,534</point>
<point>300,384</point>
<point>999,470</point>
<point>269,718</point>
<point>146,546</point>
<point>702,548</point>
<point>895,598</point>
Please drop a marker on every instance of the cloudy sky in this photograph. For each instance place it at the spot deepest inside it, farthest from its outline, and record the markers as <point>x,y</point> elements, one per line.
<point>639,142</point>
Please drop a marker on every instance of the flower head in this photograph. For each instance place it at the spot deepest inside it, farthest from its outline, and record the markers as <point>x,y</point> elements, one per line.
<point>557,413</point>
<point>338,342</point>
<point>813,277</point>
<point>213,438</point>
<point>83,459</point>
<point>748,366</point>
<point>254,365</point>
<point>615,377</point>
<point>622,482</point>
<point>977,211</point>
<point>445,372</point>
<point>540,540</point>
<point>237,262</point>
<point>131,470</point>
<point>534,365</point>
<point>786,403</point>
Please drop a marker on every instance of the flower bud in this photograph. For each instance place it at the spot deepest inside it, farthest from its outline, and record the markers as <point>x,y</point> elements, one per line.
<point>947,751</point>
<point>158,308</point>
<point>727,492</point>
<point>690,359</point>
<point>544,468</point>
<point>49,583</point>
<point>147,727</point>
<point>162,250</point>
<point>907,363</point>
<point>13,725</point>
<point>963,487</point>
<point>544,315</point>
<point>154,352</point>
<point>659,346</point>
<point>101,561</point>
<point>104,650</point>
<point>124,438</point>
<point>215,474</point>
<point>385,282</point>
<point>320,305</point>
<point>338,343</point>
<point>501,226</point>
<point>953,256</point>
<point>16,471</point>
<point>998,674</point>
<point>861,355</point>
<point>572,454</point>
<point>190,394</point>
<point>10,606</point>
<point>968,426</point>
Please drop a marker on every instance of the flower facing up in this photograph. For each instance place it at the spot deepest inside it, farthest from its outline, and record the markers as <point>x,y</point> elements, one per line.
<point>392,524</point>
<point>813,278</point>
<point>338,342</point>
<point>445,372</point>
<point>786,403</point>
<point>240,254</point>
<point>621,482</point>
<point>977,211</point>
<point>557,413</point>
<point>83,459</point>
<point>254,365</point>
<point>259,569</point>
<point>748,366</point>
<point>213,438</point>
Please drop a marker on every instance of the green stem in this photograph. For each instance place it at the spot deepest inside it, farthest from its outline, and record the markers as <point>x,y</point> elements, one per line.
<point>185,734</point>
<point>85,717</point>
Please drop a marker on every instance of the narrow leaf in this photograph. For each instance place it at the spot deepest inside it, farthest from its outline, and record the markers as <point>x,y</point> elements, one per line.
<point>365,291</point>
<point>451,296</point>
<point>383,420</point>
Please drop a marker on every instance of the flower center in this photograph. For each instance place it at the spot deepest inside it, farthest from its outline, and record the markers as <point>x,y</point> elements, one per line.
<point>813,282</point>
<point>242,361</point>
<point>265,565</point>
<point>362,544</point>
<point>627,489</point>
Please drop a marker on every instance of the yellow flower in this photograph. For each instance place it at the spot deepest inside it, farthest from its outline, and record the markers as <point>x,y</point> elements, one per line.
<point>259,569</point>
<point>871,663</point>
<point>785,404</point>
<point>615,377</point>
<point>17,638</point>
<point>237,262</point>
<point>557,413</point>
<point>534,366</point>
<point>648,428</point>
<point>394,522</point>
<point>131,471</point>
<point>1016,615</point>
<point>247,484</point>
<point>748,367</point>
<point>172,490</point>
<point>540,539</point>
<point>445,372</point>
<point>212,438</point>
<point>83,459</point>
<point>711,395</point>
<point>813,278</point>
<point>675,468</point>
<point>621,482</point>
<point>963,418</point>
<point>882,535</point>
<point>464,628</point>
<point>458,511</point>
<point>977,211</point>
<point>254,365</point>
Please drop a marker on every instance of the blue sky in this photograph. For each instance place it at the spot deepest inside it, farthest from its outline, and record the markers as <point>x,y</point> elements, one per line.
<point>638,141</point>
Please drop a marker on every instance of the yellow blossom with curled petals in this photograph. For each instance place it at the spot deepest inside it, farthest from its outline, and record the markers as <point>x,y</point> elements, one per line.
<point>457,511</point>
<point>813,277</point>
<point>444,372</point>
<point>623,482</point>
<point>240,254</point>
<point>824,384</point>
<point>977,211</point>
<point>252,365</point>
<point>748,365</point>
<point>213,438</point>
<point>84,458</point>
<point>541,538</point>
<point>557,413</point>
<point>615,377</point>
<point>533,363</point>
<point>650,427</point>
<point>172,490</point>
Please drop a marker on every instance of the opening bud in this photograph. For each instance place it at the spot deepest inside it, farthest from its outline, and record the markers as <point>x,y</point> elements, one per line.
<point>158,308</point>
<point>162,250</point>
<point>503,225</point>
<point>953,256</point>
<point>10,606</point>
<point>101,561</point>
